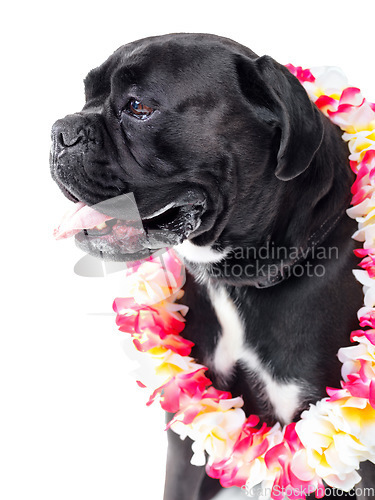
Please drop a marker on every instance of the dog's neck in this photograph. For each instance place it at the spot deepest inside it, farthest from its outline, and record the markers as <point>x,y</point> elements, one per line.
<point>294,217</point>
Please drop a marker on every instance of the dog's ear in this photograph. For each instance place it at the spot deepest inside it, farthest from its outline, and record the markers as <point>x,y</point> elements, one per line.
<point>279,99</point>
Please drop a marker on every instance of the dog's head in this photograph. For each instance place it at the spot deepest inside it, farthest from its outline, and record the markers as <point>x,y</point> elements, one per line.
<point>203,132</point>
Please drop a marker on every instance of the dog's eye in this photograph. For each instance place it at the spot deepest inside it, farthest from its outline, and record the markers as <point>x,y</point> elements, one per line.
<point>138,109</point>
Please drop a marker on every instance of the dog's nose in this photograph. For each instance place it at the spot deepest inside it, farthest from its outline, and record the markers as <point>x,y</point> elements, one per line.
<point>78,128</point>
<point>66,133</point>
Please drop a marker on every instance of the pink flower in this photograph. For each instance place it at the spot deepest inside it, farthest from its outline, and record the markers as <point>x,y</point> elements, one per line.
<point>350,97</point>
<point>367,165</point>
<point>354,113</point>
<point>147,340</point>
<point>289,463</point>
<point>303,75</point>
<point>208,401</point>
<point>325,103</point>
<point>329,81</point>
<point>166,315</point>
<point>175,394</point>
<point>251,444</point>
<point>213,421</point>
<point>358,368</point>
<point>154,279</point>
<point>151,327</point>
<point>364,185</point>
<point>368,262</point>
<point>268,455</point>
<point>366,315</point>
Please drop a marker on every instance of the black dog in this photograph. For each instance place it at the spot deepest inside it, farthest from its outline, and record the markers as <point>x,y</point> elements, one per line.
<point>230,162</point>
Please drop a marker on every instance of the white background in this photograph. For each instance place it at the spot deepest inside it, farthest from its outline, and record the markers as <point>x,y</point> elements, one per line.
<point>73,422</point>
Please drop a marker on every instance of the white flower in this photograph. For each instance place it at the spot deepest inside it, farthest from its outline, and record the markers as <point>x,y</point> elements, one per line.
<point>329,80</point>
<point>214,432</point>
<point>360,141</point>
<point>337,436</point>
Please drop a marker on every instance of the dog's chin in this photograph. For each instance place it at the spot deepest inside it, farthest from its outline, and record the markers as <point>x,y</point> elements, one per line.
<point>129,241</point>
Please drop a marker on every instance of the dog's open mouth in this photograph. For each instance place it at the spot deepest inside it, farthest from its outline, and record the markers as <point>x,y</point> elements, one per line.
<point>99,233</point>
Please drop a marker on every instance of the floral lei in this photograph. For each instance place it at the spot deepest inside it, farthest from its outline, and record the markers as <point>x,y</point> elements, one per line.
<point>334,435</point>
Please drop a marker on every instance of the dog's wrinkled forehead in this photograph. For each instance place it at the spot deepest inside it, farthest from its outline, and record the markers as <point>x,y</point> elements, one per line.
<point>151,67</point>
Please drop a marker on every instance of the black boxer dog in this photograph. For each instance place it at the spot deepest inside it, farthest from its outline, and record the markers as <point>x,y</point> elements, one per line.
<point>230,163</point>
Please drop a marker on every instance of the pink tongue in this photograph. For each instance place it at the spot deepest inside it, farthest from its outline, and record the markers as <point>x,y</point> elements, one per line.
<point>79,217</point>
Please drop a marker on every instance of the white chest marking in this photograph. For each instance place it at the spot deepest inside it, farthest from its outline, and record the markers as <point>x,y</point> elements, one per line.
<point>231,348</point>
<point>230,345</point>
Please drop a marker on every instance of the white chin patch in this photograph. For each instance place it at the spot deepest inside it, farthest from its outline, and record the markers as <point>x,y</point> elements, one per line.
<point>200,255</point>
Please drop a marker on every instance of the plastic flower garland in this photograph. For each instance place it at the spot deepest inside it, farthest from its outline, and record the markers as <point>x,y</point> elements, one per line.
<point>334,435</point>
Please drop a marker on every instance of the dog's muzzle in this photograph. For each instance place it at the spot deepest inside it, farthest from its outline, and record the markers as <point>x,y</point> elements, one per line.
<point>83,166</point>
